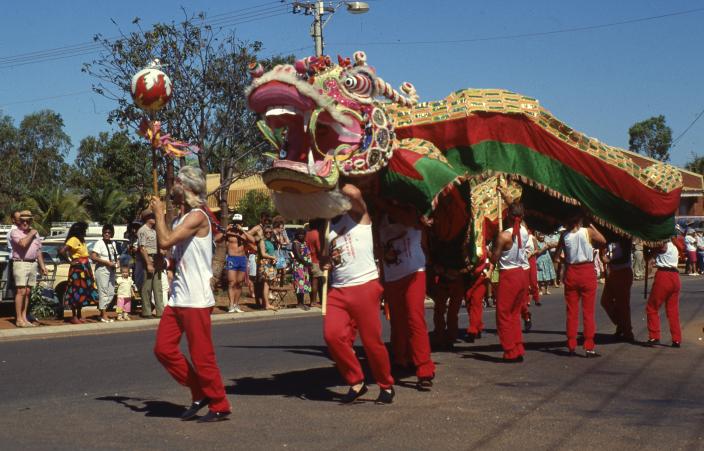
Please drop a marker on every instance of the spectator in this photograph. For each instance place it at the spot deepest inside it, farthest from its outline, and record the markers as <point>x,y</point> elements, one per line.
<point>236,261</point>
<point>638,261</point>
<point>301,263</point>
<point>26,259</point>
<point>266,269</point>
<point>258,230</point>
<point>700,251</point>
<point>313,243</point>
<point>282,244</point>
<point>546,269</point>
<point>152,261</point>
<point>124,286</point>
<point>81,282</point>
<point>252,273</point>
<point>690,243</point>
<point>133,250</point>
<point>104,255</point>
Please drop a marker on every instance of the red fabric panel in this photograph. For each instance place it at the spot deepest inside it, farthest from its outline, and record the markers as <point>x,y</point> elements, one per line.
<point>515,129</point>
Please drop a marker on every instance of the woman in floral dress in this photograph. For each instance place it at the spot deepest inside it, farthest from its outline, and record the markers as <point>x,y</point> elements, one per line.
<point>81,289</point>
<point>301,264</point>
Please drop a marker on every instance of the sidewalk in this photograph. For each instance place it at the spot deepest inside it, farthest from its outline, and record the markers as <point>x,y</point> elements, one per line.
<point>93,324</point>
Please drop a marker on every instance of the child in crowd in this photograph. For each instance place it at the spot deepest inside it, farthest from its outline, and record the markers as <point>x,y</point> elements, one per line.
<point>123,289</point>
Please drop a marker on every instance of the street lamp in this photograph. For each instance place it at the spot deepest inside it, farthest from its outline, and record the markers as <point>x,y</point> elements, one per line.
<point>318,10</point>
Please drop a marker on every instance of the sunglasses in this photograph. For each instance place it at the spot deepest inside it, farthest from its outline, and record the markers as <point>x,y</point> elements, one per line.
<point>25,221</point>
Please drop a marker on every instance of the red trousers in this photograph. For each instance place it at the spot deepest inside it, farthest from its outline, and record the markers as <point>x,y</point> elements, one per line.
<point>525,308</point>
<point>616,299</point>
<point>511,295</point>
<point>533,280</point>
<point>350,309</point>
<point>203,376</point>
<point>446,329</point>
<point>580,283</point>
<point>666,289</point>
<point>409,334</point>
<point>474,298</point>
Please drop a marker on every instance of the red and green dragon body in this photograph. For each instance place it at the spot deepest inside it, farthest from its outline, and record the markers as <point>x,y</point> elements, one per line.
<point>446,157</point>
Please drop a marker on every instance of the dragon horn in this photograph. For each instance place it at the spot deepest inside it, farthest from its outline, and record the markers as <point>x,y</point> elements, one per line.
<point>386,90</point>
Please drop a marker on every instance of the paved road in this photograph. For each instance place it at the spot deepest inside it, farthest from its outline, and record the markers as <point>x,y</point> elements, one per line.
<point>108,392</point>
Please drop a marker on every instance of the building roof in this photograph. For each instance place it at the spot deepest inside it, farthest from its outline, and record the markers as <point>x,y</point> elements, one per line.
<point>691,181</point>
<point>238,189</point>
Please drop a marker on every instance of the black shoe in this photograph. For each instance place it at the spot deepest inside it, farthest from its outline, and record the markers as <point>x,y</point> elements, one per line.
<point>424,384</point>
<point>212,417</point>
<point>478,335</point>
<point>653,342</point>
<point>518,359</point>
<point>469,338</point>
<point>591,354</point>
<point>527,324</point>
<point>303,307</point>
<point>192,411</point>
<point>538,304</point>
<point>352,395</point>
<point>571,353</point>
<point>386,396</point>
<point>676,344</point>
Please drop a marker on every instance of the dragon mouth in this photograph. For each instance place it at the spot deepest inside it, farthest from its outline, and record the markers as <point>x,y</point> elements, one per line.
<point>307,136</point>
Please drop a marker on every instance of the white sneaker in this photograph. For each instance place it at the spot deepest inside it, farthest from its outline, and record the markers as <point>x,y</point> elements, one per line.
<point>127,317</point>
<point>120,317</point>
<point>237,309</point>
<point>231,310</point>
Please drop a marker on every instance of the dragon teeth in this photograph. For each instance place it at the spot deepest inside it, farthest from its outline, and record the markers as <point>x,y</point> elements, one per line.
<point>280,110</point>
<point>311,163</point>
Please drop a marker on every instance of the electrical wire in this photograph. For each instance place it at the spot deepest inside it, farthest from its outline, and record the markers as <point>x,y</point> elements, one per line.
<point>70,94</point>
<point>526,35</point>
<point>677,139</point>
<point>236,17</point>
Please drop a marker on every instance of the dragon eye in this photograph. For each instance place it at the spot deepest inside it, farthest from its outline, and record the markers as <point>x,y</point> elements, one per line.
<point>350,82</point>
<point>358,83</point>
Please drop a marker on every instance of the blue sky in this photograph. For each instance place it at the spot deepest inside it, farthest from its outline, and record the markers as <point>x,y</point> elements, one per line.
<point>598,80</point>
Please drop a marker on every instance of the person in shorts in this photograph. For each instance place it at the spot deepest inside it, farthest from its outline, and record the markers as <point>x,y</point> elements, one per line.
<point>26,261</point>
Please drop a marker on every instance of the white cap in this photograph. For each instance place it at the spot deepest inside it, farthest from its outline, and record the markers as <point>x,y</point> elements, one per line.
<point>237,217</point>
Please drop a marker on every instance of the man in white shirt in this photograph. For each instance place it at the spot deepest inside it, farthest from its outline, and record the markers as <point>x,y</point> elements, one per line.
<point>191,303</point>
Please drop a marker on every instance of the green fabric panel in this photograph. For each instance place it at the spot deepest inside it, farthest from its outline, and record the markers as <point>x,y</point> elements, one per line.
<point>521,160</point>
<point>436,174</point>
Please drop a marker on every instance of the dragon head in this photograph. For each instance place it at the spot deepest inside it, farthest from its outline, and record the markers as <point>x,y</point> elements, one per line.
<point>325,120</point>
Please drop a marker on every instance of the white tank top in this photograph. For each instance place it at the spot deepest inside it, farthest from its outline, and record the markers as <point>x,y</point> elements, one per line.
<point>669,258</point>
<point>516,256</point>
<point>352,253</point>
<point>193,258</point>
<point>578,248</point>
<point>403,253</point>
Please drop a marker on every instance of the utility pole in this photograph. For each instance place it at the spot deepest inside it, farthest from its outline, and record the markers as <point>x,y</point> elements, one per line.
<point>318,10</point>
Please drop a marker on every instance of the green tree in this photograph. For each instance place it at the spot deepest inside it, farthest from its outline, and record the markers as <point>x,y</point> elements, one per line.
<point>253,204</point>
<point>111,164</point>
<point>11,174</point>
<point>55,204</point>
<point>209,71</point>
<point>43,146</point>
<point>651,137</point>
<point>108,205</point>
<point>696,164</point>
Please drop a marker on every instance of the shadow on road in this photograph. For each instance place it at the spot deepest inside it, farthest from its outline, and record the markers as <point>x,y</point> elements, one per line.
<point>161,409</point>
<point>310,384</point>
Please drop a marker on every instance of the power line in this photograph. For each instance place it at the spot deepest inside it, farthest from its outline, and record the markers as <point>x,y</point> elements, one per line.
<point>70,94</point>
<point>677,139</point>
<point>527,35</point>
<point>236,17</point>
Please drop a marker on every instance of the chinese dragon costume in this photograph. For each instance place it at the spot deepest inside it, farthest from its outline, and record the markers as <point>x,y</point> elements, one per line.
<point>445,158</point>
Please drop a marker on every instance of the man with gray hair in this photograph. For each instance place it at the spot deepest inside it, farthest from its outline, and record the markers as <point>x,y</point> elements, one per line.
<point>191,303</point>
